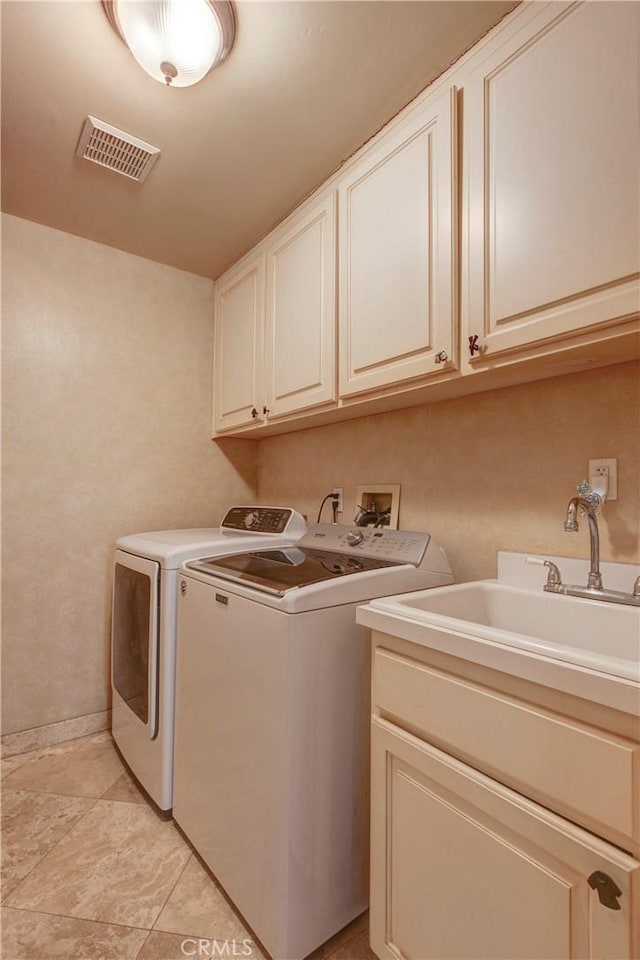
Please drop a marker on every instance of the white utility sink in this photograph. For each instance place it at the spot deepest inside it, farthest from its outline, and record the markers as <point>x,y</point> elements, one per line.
<point>589,648</point>
<point>601,636</point>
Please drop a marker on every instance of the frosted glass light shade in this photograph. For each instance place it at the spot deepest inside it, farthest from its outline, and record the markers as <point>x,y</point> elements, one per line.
<point>176,42</point>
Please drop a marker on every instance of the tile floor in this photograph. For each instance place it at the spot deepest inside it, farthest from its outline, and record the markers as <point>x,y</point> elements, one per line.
<point>89,872</point>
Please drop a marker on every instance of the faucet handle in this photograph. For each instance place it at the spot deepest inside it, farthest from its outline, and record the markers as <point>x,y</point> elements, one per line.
<point>583,488</point>
<point>553,578</point>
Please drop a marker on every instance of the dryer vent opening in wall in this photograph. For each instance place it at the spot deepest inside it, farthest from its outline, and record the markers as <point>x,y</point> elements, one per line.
<point>118,151</point>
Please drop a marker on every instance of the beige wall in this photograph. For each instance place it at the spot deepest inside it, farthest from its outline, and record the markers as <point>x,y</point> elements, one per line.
<point>106,397</point>
<point>482,473</point>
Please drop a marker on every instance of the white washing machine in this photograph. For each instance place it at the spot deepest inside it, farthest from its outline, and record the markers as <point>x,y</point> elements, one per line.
<point>143,633</point>
<point>272,722</point>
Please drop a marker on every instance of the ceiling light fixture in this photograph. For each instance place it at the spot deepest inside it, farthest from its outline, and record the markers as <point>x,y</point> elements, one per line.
<point>176,42</point>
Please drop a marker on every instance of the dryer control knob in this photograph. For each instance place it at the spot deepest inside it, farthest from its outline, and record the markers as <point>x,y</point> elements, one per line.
<point>250,520</point>
<point>354,537</point>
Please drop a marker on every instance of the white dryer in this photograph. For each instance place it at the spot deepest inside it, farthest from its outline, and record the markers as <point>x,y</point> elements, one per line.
<point>143,633</point>
<point>272,722</point>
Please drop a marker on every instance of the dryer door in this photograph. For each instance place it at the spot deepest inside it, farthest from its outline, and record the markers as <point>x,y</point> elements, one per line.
<point>134,636</point>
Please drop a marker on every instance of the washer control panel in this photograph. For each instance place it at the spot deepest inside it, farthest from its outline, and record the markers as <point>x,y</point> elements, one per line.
<point>271,520</point>
<point>396,546</point>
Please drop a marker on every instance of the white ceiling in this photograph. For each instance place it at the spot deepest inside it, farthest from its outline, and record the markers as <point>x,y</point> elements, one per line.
<point>305,85</point>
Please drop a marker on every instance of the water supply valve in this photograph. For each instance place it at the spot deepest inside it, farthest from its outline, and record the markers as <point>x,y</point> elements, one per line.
<point>596,495</point>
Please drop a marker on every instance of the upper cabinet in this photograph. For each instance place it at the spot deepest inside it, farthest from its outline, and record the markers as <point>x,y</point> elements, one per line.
<point>487,236</point>
<point>301,312</point>
<point>398,254</point>
<point>551,177</point>
<point>274,327</point>
<point>237,345</point>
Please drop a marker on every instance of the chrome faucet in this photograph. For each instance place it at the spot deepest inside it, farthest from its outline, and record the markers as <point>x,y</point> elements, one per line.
<point>589,503</point>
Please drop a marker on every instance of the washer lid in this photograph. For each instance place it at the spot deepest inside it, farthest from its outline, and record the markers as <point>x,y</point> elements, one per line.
<point>279,569</point>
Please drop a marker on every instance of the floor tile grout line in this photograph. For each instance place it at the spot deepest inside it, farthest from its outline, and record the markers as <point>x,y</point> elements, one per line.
<point>64,747</point>
<point>7,785</point>
<point>113,923</point>
<point>64,796</point>
<point>69,916</point>
<point>188,936</point>
<point>144,943</point>
<point>37,751</point>
<point>124,773</point>
<point>5,782</point>
<point>178,878</point>
<point>5,775</point>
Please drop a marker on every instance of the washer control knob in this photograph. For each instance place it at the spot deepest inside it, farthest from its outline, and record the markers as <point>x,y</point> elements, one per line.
<point>250,520</point>
<point>354,537</point>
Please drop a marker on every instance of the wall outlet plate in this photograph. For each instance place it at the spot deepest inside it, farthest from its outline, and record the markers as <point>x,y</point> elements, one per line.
<point>340,492</point>
<point>605,468</point>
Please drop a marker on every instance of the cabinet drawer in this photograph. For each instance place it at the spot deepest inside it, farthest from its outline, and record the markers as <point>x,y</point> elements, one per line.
<point>585,773</point>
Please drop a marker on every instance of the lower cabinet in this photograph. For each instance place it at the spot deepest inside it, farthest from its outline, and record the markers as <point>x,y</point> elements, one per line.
<point>464,867</point>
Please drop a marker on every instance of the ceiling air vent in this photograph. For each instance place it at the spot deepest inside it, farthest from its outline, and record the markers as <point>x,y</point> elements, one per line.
<point>101,143</point>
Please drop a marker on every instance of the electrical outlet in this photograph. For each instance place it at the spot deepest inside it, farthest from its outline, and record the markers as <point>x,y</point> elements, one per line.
<point>340,492</point>
<point>605,468</point>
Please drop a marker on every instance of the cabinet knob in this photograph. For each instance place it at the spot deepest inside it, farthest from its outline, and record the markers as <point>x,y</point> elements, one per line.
<point>607,889</point>
<point>441,357</point>
<point>266,410</point>
<point>474,346</point>
<point>254,413</point>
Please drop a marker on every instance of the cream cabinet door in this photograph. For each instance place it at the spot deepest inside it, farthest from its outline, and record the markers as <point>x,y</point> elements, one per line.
<point>551,178</point>
<point>462,867</point>
<point>238,345</point>
<point>300,367</point>
<point>397,254</point>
